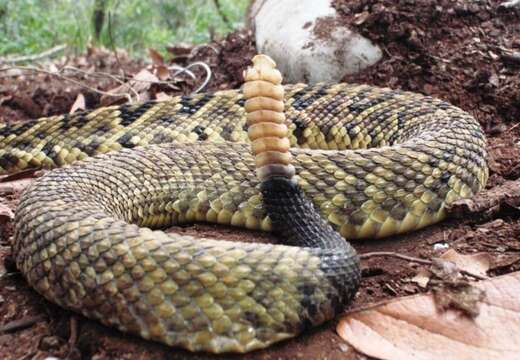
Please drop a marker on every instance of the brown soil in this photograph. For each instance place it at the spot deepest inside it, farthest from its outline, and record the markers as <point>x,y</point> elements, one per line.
<point>430,46</point>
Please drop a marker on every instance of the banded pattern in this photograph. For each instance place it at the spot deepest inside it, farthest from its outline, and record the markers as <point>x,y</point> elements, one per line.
<point>417,155</point>
<point>75,244</point>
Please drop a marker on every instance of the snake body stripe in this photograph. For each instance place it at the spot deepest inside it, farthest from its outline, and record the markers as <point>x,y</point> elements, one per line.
<point>422,154</point>
<point>374,161</point>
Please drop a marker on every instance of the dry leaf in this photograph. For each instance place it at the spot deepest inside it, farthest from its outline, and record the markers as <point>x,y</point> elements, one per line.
<point>79,104</point>
<point>422,278</point>
<point>5,212</point>
<point>53,68</point>
<point>459,295</point>
<point>139,84</point>
<point>361,17</point>
<point>162,72</point>
<point>445,270</point>
<point>157,58</point>
<point>476,263</point>
<point>412,327</point>
<point>162,96</point>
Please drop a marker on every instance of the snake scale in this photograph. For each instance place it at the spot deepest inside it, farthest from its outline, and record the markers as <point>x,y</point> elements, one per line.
<point>374,162</point>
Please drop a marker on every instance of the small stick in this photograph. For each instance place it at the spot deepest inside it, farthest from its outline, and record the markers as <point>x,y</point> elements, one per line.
<point>516,125</point>
<point>75,82</point>
<point>119,79</point>
<point>221,13</point>
<point>414,259</point>
<point>30,58</point>
<point>21,324</point>
<point>73,325</point>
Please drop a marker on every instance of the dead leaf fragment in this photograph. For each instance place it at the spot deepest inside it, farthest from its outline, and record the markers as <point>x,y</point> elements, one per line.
<point>156,57</point>
<point>459,295</point>
<point>162,72</point>
<point>162,96</point>
<point>139,86</point>
<point>476,263</point>
<point>413,328</point>
<point>5,212</point>
<point>422,278</point>
<point>360,18</point>
<point>79,104</point>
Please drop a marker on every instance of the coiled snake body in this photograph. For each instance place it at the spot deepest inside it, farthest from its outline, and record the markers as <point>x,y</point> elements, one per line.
<point>374,161</point>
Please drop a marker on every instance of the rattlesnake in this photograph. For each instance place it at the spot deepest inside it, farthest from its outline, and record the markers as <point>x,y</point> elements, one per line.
<point>374,162</point>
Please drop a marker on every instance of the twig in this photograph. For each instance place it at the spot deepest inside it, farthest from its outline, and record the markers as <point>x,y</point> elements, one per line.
<point>118,79</point>
<point>396,255</point>
<point>112,43</point>
<point>58,75</point>
<point>197,48</point>
<point>413,259</point>
<point>181,70</point>
<point>221,13</point>
<point>513,127</point>
<point>21,324</point>
<point>30,58</point>
<point>73,326</point>
<point>208,74</point>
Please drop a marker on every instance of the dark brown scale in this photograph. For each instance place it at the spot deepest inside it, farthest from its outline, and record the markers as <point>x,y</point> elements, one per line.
<point>398,212</point>
<point>17,129</point>
<point>299,99</point>
<point>7,161</point>
<point>199,130</point>
<point>434,205</point>
<point>124,140</point>
<point>76,120</point>
<point>241,102</point>
<point>298,131</point>
<point>308,99</point>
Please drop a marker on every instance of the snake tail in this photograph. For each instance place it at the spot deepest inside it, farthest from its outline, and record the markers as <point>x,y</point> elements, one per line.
<point>294,217</point>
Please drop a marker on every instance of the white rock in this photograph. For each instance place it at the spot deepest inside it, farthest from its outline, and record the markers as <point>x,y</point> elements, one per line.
<point>307,42</point>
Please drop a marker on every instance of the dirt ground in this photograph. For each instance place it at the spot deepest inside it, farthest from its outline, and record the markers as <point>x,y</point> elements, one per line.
<point>465,53</point>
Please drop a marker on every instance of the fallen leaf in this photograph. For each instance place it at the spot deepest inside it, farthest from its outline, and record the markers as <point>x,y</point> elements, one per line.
<point>413,328</point>
<point>162,96</point>
<point>459,295</point>
<point>476,263</point>
<point>445,270</point>
<point>139,85</point>
<point>422,278</point>
<point>360,18</point>
<point>79,104</point>
<point>488,204</point>
<point>53,68</point>
<point>5,212</point>
<point>157,58</point>
<point>162,72</point>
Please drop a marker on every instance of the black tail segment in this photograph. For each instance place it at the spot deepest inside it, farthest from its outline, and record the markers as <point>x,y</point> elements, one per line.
<point>298,223</point>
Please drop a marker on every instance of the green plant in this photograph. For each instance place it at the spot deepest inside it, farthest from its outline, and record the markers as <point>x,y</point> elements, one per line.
<point>31,26</point>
